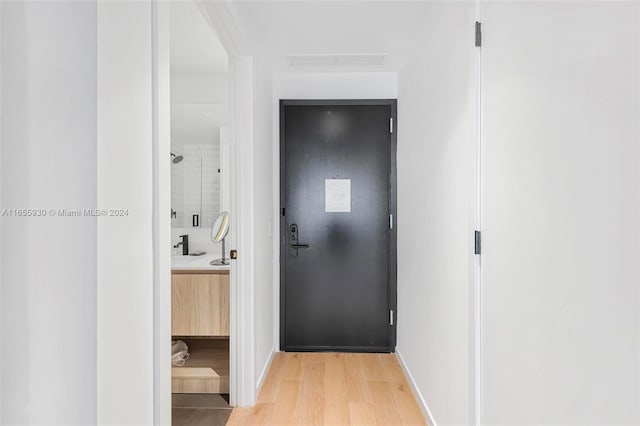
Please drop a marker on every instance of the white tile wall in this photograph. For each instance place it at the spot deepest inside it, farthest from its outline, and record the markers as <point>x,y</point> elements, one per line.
<point>195,184</point>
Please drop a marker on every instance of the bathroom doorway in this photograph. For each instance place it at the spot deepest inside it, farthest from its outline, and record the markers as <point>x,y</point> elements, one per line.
<point>199,307</point>
<point>200,194</point>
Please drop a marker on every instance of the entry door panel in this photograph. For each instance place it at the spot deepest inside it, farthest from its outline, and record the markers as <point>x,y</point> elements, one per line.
<point>335,292</point>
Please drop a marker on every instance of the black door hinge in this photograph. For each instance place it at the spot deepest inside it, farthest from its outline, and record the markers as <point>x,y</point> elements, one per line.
<point>478,34</point>
<point>477,243</point>
<point>283,211</point>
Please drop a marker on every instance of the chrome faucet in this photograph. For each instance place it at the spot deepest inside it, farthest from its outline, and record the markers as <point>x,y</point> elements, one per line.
<point>184,242</point>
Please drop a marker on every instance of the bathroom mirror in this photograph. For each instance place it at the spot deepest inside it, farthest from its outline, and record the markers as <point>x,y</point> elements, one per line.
<point>200,137</point>
<point>199,169</point>
<point>220,227</point>
<point>219,230</point>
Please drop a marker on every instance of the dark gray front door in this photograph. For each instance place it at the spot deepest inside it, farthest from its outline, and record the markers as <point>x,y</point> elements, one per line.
<point>338,261</point>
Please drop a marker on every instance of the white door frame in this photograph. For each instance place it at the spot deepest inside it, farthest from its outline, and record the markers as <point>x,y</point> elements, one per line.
<point>242,364</point>
<point>476,413</point>
<point>161,223</point>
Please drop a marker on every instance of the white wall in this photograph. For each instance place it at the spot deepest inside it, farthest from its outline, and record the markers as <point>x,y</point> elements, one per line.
<point>435,226</point>
<point>561,212</point>
<point>48,311</point>
<point>199,108</point>
<point>125,251</point>
<point>263,218</point>
<point>200,87</point>
<point>336,85</point>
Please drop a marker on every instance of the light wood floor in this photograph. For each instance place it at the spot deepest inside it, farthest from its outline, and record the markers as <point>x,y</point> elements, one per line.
<point>332,389</point>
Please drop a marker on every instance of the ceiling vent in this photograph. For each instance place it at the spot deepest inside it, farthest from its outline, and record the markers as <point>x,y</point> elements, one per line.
<point>347,60</point>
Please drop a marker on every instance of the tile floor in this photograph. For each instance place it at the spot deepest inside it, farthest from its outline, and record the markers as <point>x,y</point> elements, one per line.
<point>194,409</point>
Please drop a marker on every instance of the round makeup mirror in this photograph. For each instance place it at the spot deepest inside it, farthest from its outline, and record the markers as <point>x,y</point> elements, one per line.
<point>219,230</point>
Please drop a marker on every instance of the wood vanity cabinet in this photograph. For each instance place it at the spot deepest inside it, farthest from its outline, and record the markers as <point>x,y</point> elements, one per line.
<point>200,304</point>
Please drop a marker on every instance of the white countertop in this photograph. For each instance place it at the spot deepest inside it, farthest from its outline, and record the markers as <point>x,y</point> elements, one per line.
<point>196,263</point>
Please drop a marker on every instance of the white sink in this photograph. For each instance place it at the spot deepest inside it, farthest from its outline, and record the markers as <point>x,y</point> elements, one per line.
<point>195,262</point>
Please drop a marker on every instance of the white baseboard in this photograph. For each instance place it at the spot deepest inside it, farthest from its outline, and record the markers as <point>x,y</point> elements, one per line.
<point>265,370</point>
<point>416,392</point>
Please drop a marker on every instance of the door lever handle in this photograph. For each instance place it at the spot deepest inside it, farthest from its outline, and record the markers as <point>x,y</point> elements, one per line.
<point>294,240</point>
<point>297,246</point>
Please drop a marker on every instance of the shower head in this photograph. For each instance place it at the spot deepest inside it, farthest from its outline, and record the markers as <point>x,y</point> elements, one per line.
<point>176,158</point>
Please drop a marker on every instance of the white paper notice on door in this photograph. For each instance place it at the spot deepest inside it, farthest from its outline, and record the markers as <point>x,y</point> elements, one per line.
<point>337,195</point>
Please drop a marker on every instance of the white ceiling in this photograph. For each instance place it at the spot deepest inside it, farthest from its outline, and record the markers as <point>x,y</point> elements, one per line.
<point>281,28</point>
<point>194,45</point>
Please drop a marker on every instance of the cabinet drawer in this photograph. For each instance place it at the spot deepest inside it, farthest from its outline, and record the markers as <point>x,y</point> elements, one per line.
<point>199,305</point>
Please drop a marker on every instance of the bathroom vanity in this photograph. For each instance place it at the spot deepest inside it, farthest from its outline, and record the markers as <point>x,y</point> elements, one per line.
<point>200,318</point>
